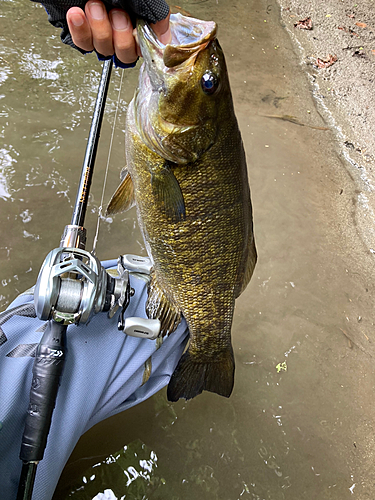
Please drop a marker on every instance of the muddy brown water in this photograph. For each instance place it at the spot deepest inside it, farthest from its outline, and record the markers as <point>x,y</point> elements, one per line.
<point>299,424</point>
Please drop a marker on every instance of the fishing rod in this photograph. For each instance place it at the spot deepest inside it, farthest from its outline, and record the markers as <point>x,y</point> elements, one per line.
<point>71,287</point>
<point>58,276</point>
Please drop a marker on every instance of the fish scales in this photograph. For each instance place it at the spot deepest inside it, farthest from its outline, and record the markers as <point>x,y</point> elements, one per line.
<point>204,256</point>
<point>199,257</point>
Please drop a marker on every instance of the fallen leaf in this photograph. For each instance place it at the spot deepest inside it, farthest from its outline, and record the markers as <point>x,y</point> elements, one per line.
<point>373,51</point>
<point>327,62</point>
<point>281,367</point>
<point>304,24</point>
<point>347,30</point>
<point>361,25</point>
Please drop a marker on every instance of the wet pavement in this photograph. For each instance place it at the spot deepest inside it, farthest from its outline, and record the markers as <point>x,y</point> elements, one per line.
<point>299,424</point>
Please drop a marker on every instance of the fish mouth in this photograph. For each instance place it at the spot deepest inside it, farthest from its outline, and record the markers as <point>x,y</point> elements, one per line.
<point>164,66</point>
<point>189,37</point>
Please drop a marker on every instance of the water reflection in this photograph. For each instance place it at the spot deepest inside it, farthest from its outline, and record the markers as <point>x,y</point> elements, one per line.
<point>4,73</point>
<point>129,473</point>
<point>6,170</point>
<point>37,67</point>
<point>47,95</point>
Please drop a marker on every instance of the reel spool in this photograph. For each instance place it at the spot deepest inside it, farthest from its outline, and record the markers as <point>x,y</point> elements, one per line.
<point>71,287</point>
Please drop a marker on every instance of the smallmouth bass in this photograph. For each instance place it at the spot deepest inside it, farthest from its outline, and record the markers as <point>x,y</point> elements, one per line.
<point>186,173</point>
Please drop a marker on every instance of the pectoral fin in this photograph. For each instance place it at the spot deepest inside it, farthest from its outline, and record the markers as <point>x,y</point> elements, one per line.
<point>124,172</point>
<point>123,199</point>
<point>168,194</point>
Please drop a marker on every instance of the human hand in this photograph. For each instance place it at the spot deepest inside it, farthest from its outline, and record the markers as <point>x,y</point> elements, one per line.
<point>111,33</point>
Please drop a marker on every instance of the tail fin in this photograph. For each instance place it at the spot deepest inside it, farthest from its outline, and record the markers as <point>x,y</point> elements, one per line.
<point>190,377</point>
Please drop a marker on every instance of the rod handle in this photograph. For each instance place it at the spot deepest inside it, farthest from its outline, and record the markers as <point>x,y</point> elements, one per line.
<point>47,369</point>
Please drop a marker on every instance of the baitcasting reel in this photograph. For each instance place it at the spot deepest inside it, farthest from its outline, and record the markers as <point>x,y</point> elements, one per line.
<point>72,286</point>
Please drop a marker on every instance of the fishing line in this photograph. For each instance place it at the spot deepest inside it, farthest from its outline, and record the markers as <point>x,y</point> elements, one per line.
<point>100,212</point>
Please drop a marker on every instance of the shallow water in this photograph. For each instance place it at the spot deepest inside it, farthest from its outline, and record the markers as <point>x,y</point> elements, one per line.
<point>299,422</point>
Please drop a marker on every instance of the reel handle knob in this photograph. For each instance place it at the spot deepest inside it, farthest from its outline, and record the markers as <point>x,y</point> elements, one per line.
<point>142,328</point>
<point>136,263</point>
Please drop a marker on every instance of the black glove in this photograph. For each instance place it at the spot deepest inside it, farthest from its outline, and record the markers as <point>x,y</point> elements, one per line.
<point>151,10</point>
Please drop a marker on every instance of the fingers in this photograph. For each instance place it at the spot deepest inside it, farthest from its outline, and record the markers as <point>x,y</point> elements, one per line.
<point>79,29</point>
<point>162,30</point>
<point>101,29</point>
<point>122,33</point>
<point>108,34</point>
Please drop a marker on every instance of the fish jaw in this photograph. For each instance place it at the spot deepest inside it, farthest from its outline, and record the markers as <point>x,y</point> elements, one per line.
<point>173,115</point>
<point>157,134</point>
<point>189,36</point>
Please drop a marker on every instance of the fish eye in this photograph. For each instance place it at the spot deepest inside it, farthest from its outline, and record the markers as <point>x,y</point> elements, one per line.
<point>209,83</point>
